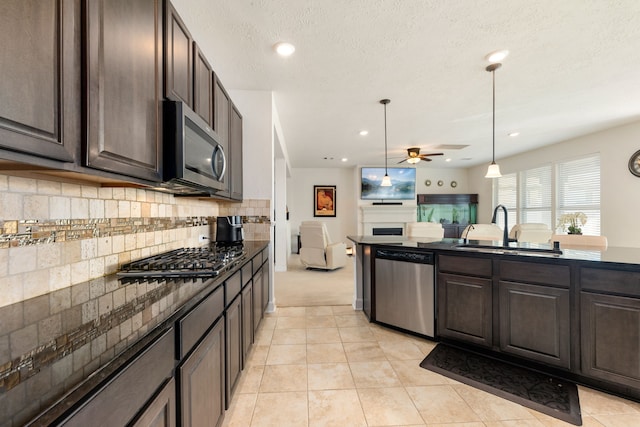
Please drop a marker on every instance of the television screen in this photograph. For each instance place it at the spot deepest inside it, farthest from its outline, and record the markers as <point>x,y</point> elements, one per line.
<point>403,184</point>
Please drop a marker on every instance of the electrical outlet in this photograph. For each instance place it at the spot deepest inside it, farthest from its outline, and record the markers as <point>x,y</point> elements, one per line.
<point>202,238</point>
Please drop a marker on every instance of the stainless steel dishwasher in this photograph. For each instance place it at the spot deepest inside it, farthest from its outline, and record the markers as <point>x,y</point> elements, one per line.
<point>404,290</point>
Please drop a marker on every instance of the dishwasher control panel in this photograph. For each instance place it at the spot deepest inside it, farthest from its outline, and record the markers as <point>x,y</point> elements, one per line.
<point>398,255</point>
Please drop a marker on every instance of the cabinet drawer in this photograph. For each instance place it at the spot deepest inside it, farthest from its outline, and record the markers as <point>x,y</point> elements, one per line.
<point>247,272</point>
<point>195,323</point>
<point>233,285</point>
<point>120,398</point>
<point>533,272</point>
<point>465,265</point>
<point>615,281</point>
<point>257,262</point>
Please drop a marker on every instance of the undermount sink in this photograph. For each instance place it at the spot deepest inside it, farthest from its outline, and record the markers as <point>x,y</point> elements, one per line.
<point>510,250</point>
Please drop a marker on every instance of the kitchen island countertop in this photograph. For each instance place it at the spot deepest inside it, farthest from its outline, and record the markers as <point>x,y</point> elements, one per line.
<point>614,255</point>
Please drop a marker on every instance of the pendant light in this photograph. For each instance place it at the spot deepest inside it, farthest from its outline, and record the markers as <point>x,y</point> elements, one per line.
<point>386,181</point>
<point>494,168</point>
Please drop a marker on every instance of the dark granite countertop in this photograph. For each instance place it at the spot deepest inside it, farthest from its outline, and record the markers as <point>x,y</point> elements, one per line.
<point>613,255</point>
<point>66,342</point>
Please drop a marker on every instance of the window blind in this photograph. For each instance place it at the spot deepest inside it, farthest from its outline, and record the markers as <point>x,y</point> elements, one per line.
<point>505,192</point>
<point>579,190</point>
<point>535,195</point>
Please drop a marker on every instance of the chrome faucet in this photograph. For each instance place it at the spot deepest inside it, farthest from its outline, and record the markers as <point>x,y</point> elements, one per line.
<point>505,238</point>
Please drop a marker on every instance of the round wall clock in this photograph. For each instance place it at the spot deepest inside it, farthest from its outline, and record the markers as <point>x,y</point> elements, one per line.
<point>634,164</point>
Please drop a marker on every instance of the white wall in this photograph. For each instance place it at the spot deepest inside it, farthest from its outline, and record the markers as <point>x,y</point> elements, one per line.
<point>347,181</point>
<point>257,151</point>
<point>620,191</point>
<point>300,199</point>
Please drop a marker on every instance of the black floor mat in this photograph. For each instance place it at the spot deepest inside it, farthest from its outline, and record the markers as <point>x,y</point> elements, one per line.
<point>543,393</point>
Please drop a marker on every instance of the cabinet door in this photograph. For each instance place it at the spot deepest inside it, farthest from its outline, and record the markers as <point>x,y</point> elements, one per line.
<point>465,308</point>
<point>257,299</point>
<point>534,322</point>
<point>610,338</point>
<point>40,84</point>
<point>161,412</point>
<point>124,87</point>
<point>221,124</point>
<point>247,320</point>
<point>236,153</point>
<point>202,86</point>
<point>201,379</point>
<point>234,346</point>
<point>265,284</point>
<point>178,59</point>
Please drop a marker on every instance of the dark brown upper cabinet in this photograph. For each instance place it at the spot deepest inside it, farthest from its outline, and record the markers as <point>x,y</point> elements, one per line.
<point>235,152</point>
<point>179,62</point>
<point>124,87</point>
<point>40,84</point>
<point>221,124</point>
<point>202,86</point>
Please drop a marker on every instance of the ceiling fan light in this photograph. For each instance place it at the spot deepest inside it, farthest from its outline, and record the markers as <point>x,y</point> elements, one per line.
<point>386,181</point>
<point>413,160</point>
<point>493,171</point>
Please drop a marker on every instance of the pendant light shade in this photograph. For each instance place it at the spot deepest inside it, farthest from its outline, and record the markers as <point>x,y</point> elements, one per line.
<point>386,181</point>
<point>494,168</point>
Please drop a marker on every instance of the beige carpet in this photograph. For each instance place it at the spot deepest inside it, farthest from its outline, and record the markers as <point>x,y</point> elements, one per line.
<point>298,287</point>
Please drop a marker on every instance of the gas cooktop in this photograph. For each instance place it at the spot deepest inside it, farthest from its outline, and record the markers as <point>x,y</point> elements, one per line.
<point>201,262</point>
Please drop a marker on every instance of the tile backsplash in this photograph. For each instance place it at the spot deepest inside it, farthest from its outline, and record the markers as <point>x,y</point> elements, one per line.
<point>57,234</point>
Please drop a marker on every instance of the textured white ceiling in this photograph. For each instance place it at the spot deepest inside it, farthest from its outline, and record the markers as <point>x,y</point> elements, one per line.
<point>573,68</point>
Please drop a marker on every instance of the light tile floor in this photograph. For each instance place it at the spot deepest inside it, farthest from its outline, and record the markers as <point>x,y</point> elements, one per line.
<point>328,366</point>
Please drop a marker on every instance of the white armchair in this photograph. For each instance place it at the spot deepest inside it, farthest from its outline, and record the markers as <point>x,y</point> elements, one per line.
<point>483,232</point>
<point>316,249</point>
<point>531,232</point>
<point>425,229</point>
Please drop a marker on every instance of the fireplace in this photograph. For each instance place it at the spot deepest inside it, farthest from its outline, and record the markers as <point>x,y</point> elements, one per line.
<point>387,231</point>
<point>387,217</point>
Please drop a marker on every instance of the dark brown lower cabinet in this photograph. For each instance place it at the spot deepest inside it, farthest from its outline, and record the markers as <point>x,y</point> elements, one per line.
<point>247,320</point>
<point>465,308</point>
<point>118,401</point>
<point>257,298</point>
<point>534,322</point>
<point>161,411</point>
<point>233,319</point>
<point>265,284</point>
<point>201,379</point>
<point>611,338</point>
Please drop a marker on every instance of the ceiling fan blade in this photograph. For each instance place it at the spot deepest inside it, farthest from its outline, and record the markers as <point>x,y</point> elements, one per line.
<point>432,154</point>
<point>402,161</point>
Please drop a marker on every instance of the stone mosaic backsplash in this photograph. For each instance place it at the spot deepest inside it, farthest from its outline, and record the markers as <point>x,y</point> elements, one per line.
<point>33,232</point>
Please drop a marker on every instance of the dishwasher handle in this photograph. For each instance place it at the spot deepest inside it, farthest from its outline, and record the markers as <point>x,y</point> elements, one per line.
<point>396,255</point>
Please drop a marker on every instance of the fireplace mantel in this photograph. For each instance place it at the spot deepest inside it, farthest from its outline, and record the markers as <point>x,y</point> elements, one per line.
<point>375,216</point>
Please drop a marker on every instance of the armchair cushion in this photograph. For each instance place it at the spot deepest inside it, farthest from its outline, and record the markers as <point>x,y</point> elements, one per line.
<point>317,251</point>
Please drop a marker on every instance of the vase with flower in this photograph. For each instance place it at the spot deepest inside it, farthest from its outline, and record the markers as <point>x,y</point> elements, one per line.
<point>572,222</point>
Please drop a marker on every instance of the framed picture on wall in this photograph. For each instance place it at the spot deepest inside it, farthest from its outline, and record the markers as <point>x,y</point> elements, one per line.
<point>324,200</point>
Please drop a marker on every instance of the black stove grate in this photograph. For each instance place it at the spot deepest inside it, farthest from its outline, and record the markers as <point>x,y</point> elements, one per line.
<point>201,262</point>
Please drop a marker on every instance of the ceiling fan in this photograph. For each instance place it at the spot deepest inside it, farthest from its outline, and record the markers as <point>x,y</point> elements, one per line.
<point>414,156</point>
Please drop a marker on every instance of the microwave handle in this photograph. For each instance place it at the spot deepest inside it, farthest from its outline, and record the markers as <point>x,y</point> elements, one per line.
<point>218,151</point>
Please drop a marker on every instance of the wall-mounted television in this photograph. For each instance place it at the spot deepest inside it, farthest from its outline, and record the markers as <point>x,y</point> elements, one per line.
<point>403,184</point>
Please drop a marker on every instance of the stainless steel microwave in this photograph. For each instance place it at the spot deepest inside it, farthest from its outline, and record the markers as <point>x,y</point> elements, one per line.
<point>194,159</point>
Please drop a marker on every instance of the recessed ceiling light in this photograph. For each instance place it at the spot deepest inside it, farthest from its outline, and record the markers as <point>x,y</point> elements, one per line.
<point>512,134</point>
<point>497,56</point>
<point>284,48</point>
<point>344,159</point>
<point>364,132</point>
<point>448,159</point>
